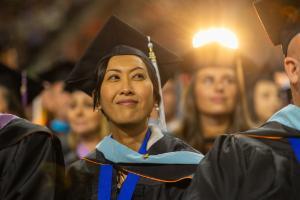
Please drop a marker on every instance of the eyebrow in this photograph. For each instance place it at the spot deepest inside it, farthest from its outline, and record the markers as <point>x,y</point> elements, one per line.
<point>118,70</point>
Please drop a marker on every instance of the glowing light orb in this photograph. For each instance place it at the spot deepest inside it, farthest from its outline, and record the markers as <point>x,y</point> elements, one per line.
<point>222,36</point>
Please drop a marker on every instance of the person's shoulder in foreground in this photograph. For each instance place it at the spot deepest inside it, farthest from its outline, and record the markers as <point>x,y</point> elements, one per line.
<point>31,161</point>
<point>257,164</point>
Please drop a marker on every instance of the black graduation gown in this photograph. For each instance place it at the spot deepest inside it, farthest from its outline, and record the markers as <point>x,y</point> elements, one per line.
<point>31,162</point>
<point>157,181</point>
<point>257,164</point>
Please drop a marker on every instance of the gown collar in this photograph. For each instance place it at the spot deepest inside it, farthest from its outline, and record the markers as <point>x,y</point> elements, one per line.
<point>119,153</point>
<point>288,116</point>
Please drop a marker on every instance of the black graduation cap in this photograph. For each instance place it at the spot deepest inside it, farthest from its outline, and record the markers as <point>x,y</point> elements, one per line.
<point>118,38</point>
<point>58,71</point>
<point>280,18</point>
<point>12,80</point>
<point>210,55</point>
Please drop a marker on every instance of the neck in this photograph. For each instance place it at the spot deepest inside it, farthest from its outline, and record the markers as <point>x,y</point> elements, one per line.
<point>296,96</point>
<point>213,126</point>
<point>131,135</point>
<point>90,140</point>
<point>170,118</point>
<point>90,145</point>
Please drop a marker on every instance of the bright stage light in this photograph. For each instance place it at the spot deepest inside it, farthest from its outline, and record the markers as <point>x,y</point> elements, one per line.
<point>222,36</point>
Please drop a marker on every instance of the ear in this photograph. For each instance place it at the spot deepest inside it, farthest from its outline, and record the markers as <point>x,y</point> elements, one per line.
<point>292,69</point>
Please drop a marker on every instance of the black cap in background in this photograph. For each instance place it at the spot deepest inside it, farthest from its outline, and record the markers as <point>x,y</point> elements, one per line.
<point>281,20</point>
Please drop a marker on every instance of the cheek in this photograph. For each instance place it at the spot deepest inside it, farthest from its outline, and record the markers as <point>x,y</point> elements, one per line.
<point>71,112</point>
<point>201,94</point>
<point>232,93</point>
<point>261,103</point>
<point>92,115</point>
<point>106,95</point>
<point>145,93</point>
<point>170,101</point>
<point>71,116</point>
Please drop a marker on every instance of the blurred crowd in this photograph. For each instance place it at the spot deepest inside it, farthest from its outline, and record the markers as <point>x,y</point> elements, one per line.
<point>213,97</point>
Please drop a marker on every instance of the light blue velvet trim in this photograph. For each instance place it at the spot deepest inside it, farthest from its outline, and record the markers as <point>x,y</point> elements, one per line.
<point>119,153</point>
<point>288,116</point>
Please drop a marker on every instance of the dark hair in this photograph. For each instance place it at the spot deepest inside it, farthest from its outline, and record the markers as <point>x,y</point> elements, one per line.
<point>100,73</point>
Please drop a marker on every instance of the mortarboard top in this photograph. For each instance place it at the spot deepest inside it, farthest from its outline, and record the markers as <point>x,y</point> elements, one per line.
<point>210,55</point>
<point>58,71</point>
<point>280,18</point>
<point>118,38</point>
<point>12,80</point>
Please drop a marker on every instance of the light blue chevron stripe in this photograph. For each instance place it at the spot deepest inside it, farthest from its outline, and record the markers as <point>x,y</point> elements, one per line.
<point>288,116</point>
<point>119,153</point>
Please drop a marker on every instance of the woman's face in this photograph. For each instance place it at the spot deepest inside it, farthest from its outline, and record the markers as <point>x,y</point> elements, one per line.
<point>216,90</point>
<point>126,94</point>
<point>81,116</point>
<point>266,99</point>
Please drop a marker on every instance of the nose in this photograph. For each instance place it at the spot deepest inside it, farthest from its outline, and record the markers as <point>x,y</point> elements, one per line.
<point>126,91</point>
<point>126,87</point>
<point>78,111</point>
<point>219,86</point>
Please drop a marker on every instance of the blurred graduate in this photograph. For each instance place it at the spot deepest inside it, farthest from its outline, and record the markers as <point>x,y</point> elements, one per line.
<point>32,165</point>
<point>262,163</point>
<point>213,102</point>
<point>51,107</point>
<point>136,161</point>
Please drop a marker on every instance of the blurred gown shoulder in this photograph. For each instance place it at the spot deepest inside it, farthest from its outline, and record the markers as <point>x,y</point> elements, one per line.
<point>31,162</point>
<point>256,164</point>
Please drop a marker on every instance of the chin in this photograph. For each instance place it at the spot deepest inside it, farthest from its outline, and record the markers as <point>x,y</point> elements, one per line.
<point>220,111</point>
<point>129,120</point>
<point>79,132</point>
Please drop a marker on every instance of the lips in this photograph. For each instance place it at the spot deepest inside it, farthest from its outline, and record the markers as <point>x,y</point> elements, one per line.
<point>127,102</point>
<point>218,99</point>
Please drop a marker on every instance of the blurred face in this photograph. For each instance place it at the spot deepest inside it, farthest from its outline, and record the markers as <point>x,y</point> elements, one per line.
<point>10,58</point>
<point>169,96</point>
<point>3,103</point>
<point>81,116</point>
<point>216,90</point>
<point>126,94</point>
<point>56,100</point>
<point>266,99</point>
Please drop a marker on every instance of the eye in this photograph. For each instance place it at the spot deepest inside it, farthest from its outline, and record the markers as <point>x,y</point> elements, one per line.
<point>72,105</point>
<point>138,76</point>
<point>208,80</point>
<point>113,77</point>
<point>88,104</point>
<point>266,95</point>
<point>229,80</point>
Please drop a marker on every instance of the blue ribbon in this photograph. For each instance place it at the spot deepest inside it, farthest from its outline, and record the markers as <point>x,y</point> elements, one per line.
<point>295,144</point>
<point>128,186</point>
<point>105,179</point>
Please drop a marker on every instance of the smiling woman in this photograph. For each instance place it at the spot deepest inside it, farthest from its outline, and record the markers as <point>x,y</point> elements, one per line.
<point>136,161</point>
